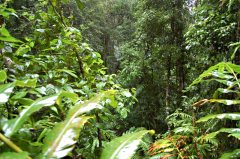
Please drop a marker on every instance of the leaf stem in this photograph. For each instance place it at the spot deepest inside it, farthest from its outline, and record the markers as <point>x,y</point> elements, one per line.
<point>11,144</point>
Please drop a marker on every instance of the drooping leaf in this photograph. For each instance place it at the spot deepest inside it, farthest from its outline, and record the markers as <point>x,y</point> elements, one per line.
<point>13,125</point>
<point>232,132</point>
<point>231,155</point>
<point>125,146</point>
<point>5,92</point>
<point>232,116</point>
<point>62,138</point>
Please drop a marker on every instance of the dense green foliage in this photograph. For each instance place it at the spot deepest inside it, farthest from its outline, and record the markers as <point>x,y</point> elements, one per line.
<point>174,94</point>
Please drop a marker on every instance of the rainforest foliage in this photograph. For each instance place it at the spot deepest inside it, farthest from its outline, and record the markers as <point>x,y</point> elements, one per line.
<point>119,79</point>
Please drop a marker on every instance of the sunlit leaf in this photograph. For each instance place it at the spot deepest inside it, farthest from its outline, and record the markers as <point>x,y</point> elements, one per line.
<point>14,155</point>
<point>225,101</point>
<point>125,146</point>
<point>5,92</point>
<point>231,155</point>
<point>3,76</point>
<point>60,141</point>
<point>62,138</point>
<point>27,83</point>
<point>232,116</point>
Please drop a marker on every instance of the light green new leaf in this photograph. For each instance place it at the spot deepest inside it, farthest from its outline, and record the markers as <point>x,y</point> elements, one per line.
<point>14,155</point>
<point>125,146</point>
<point>231,155</point>
<point>3,76</point>
<point>5,92</point>
<point>13,125</point>
<point>232,116</point>
<point>27,83</point>
<point>62,138</point>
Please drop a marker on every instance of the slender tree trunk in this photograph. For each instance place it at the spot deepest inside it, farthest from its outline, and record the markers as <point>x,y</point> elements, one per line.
<point>168,82</point>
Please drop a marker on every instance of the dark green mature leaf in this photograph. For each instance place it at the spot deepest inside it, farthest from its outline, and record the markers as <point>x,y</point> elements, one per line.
<point>232,116</point>
<point>62,138</point>
<point>125,146</point>
<point>231,155</point>
<point>5,92</point>
<point>13,125</point>
<point>14,155</point>
<point>79,4</point>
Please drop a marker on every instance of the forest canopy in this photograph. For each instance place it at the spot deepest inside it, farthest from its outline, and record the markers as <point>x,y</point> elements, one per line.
<point>119,79</point>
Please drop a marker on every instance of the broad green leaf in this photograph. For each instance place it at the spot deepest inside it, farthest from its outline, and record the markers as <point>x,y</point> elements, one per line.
<point>19,95</point>
<point>232,116</point>
<point>231,155</point>
<point>125,146</point>
<point>13,125</point>
<point>3,76</point>
<point>14,155</point>
<point>62,138</point>
<point>27,83</point>
<point>5,92</point>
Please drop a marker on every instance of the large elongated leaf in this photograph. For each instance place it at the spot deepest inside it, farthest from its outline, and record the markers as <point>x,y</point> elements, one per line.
<point>62,138</point>
<point>12,126</point>
<point>5,92</point>
<point>232,116</point>
<point>221,71</point>
<point>60,141</point>
<point>125,146</point>
<point>225,101</point>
